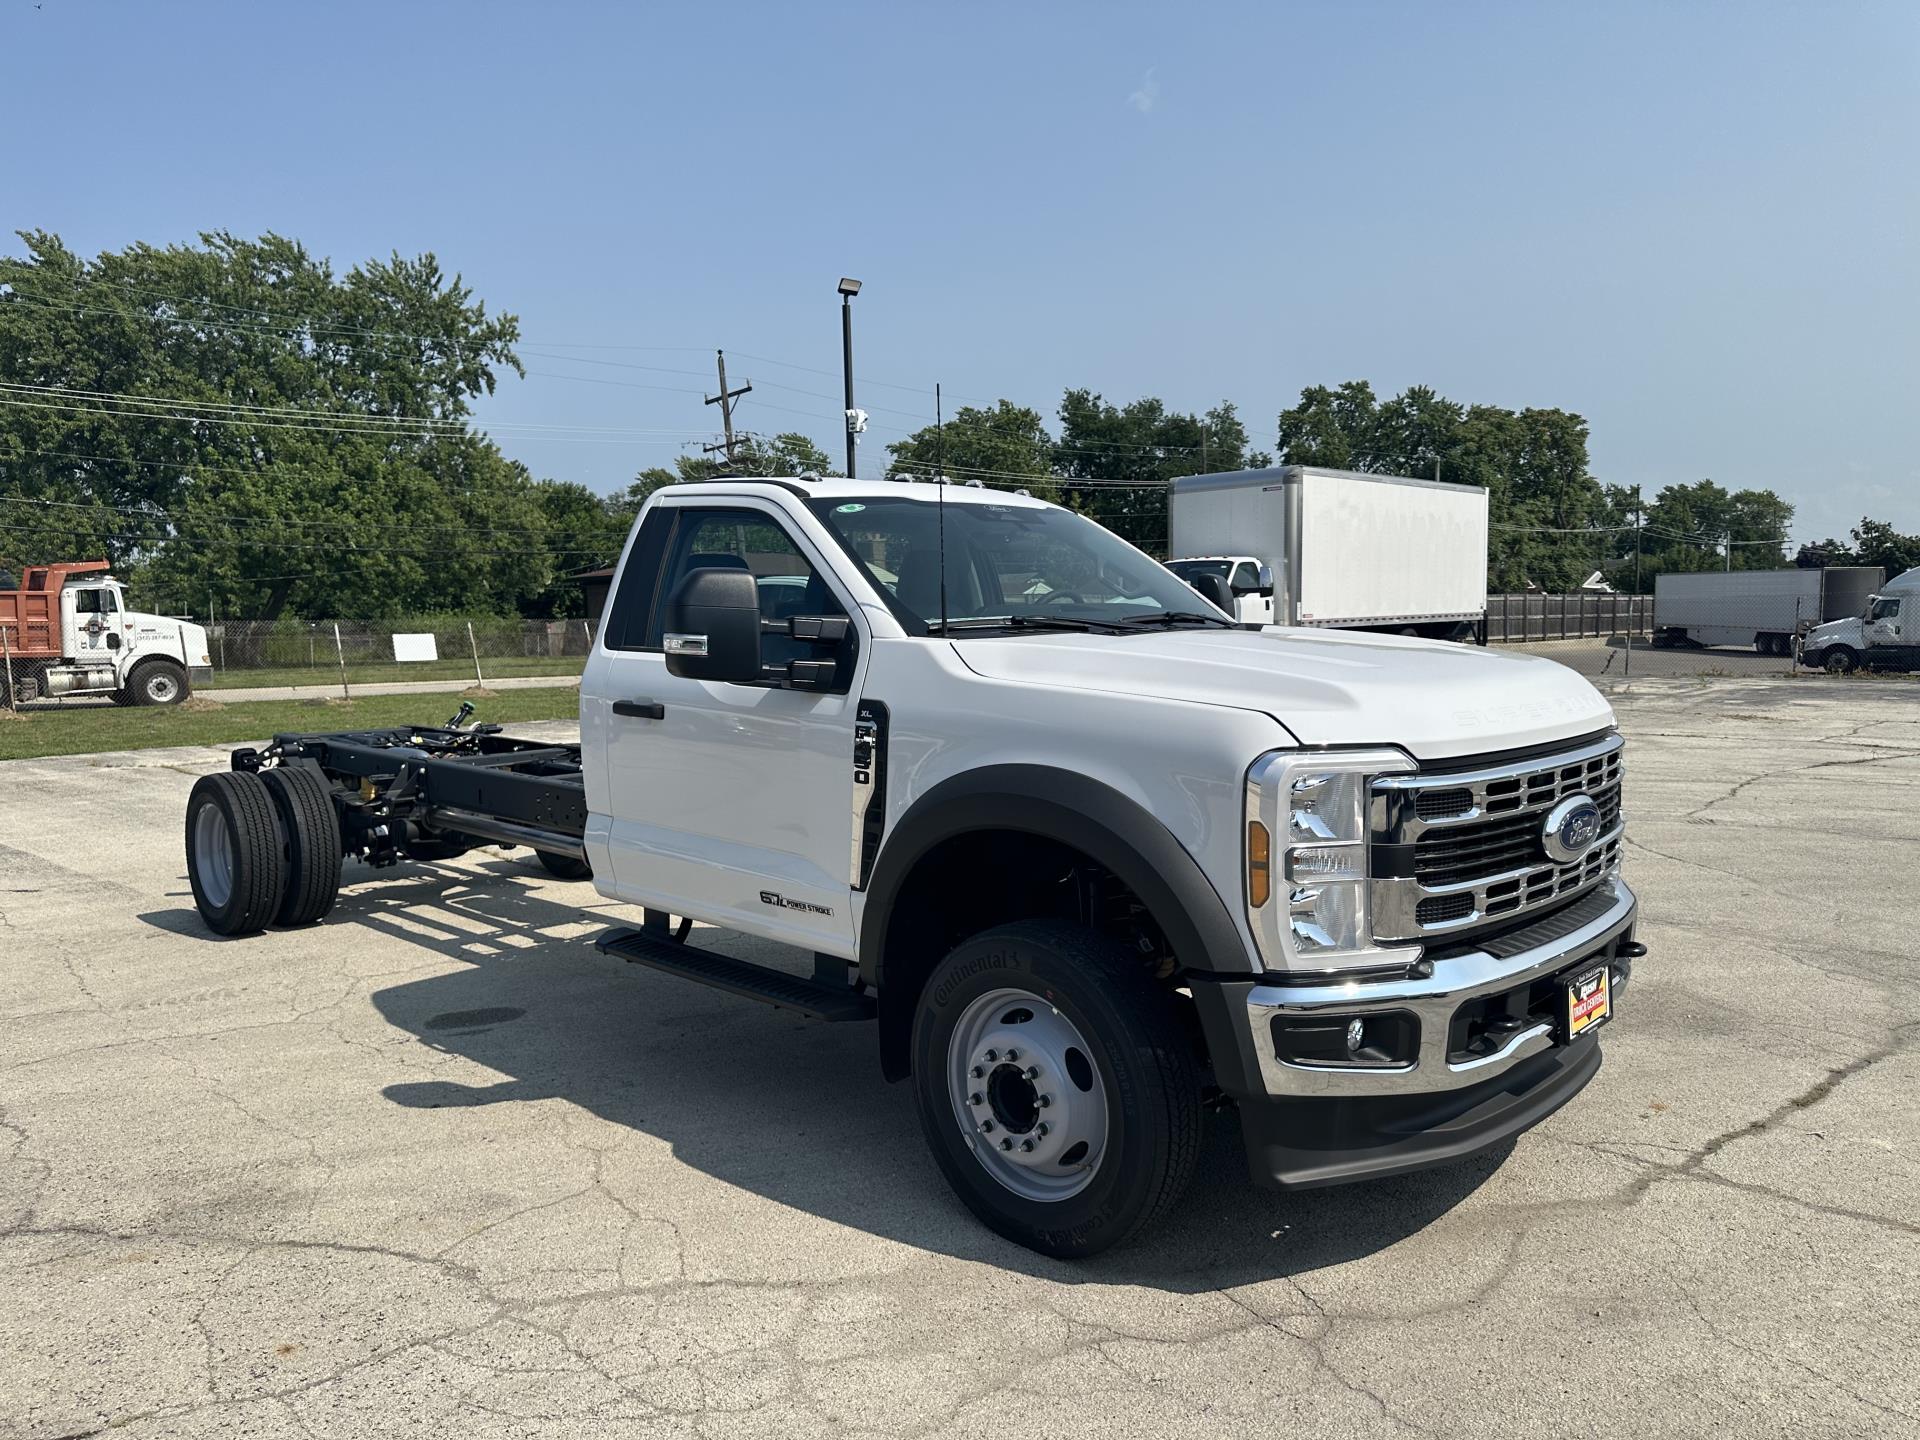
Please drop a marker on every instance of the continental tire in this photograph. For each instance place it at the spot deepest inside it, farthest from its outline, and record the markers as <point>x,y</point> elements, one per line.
<point>1056,1088</point>
<point>311,829</point>
<point>157,682</point>
<point>234,853</point>
<point>564,867</point>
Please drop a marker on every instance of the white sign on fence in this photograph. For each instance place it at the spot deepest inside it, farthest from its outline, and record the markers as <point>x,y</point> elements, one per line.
<point>415,647</point>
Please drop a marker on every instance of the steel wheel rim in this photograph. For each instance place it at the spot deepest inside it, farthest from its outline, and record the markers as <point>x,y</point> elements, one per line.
<point>161,687</point>
<point>1027,1095</point>
<point>213,856</point>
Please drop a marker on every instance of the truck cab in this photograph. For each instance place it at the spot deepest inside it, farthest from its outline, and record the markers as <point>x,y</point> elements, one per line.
<point>1249,581</point>
<point>1095,857</point>
<point>1885,636</point>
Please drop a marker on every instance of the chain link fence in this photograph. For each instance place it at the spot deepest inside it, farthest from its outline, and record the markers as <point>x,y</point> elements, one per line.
<point>1605,635</point>
<point>270,653</point>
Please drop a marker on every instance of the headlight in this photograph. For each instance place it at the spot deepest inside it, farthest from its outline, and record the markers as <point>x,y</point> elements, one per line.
<point>1306,857</point>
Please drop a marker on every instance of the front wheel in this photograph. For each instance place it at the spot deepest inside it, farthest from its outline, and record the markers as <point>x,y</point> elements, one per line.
<point>1056,1087</point>
<point>157,683</point>
<point>1840,661</point>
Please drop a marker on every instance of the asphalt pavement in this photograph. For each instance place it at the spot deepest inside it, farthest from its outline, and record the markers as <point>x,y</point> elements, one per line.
<point>436,1167</point>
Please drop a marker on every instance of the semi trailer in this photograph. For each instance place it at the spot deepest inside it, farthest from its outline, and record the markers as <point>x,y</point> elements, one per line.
<point>1767,610</point>
<point>68,630</point>
<point>1305,546</point>
<point>1092,859</point>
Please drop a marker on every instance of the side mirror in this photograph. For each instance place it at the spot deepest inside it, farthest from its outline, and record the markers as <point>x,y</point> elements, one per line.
<point>1215,590</point>
<point>1266,580</point>
<point>712,627</point>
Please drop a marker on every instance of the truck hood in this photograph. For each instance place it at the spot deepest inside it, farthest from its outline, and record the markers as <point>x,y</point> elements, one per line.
<point>1848,631</point>
<point>1432,698</point>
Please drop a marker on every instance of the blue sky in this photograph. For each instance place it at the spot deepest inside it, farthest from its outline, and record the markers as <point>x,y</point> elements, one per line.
<point>1692,223</point>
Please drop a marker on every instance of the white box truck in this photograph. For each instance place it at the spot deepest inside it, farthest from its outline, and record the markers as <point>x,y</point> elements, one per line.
<point>1300,545</point>
<point>1765,609</point>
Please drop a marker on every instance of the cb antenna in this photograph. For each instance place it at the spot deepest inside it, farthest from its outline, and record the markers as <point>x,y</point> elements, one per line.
<point>940,503</point>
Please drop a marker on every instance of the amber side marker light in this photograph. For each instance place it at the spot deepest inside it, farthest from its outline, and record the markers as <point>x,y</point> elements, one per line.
<point>1259,864</point>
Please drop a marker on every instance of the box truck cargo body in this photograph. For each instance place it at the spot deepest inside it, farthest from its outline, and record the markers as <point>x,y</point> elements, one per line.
<point>1337,548</point>
<point>1765,609</point>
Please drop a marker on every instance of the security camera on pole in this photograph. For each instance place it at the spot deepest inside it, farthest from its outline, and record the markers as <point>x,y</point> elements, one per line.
<point>856,419</point>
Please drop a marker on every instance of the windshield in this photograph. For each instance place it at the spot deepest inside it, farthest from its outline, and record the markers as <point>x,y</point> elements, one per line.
<point>1012,564</point>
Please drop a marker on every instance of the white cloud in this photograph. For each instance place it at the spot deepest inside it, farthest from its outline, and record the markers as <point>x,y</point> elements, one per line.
<point>1147,96</point>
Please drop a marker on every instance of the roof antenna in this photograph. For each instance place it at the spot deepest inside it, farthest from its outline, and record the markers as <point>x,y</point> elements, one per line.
<point>940,504</point>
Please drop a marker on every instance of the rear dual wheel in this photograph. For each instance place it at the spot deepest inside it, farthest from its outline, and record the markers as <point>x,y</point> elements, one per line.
<point>262,849</point>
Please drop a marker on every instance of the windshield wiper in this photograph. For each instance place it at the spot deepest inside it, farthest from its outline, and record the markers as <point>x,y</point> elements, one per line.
<point>1175,617</point>
<point>1022,622</point>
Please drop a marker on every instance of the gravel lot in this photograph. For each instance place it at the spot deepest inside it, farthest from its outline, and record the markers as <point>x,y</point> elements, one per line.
<point>437,1168</point>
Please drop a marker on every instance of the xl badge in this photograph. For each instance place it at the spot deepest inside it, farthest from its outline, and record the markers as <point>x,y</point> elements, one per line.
<point>1572,827</point>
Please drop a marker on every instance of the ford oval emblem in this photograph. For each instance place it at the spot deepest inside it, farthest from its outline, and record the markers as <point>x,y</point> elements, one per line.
<point>1572,827</point>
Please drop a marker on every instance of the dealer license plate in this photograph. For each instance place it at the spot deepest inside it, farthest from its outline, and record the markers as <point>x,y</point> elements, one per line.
<point>1589,1001</point>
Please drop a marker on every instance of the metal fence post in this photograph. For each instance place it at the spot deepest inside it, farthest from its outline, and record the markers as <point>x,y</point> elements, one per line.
<point>341,651</point>
<point>478,679</point>
<point>6,645</point>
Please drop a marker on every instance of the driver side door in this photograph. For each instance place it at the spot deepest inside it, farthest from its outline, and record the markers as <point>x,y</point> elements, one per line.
<point>732,802</point>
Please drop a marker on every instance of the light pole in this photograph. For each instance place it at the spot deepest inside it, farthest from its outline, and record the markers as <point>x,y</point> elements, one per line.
<point>848,289</point>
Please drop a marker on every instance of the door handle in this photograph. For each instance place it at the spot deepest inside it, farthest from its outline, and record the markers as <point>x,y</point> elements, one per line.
<point>640,709</point>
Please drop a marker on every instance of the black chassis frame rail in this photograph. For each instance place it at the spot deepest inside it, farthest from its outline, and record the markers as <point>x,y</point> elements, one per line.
<point>473,782</point>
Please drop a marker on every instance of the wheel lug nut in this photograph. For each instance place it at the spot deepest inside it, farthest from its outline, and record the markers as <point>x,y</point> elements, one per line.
<point>1045,1101</point>
<point>1006,1144</point>
<point>986,1127</point>
<point>1013,1054</point>
<point>993,1054</point>
<point>976,1098</point>
<point>1041,1130</point>
<point>1033,1072</point>
<point>1027,1145</point>
<point>978,1072</point>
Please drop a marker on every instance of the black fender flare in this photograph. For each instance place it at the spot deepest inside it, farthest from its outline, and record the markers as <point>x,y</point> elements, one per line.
<point>1074,810</point>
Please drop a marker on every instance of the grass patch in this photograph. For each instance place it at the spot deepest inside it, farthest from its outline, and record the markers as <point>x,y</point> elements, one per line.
<point>327,672</point>
<point>73,730</point>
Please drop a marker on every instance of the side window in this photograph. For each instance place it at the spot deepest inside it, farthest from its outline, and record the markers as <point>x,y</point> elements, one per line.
<point>86,602</point>
<point>753,541</point>
<point>629,611</point>
<point>1885,609</point>
<point>1245,577</point>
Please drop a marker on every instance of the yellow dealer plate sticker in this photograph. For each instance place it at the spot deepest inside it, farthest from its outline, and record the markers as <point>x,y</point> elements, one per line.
<point>1589,1001</point>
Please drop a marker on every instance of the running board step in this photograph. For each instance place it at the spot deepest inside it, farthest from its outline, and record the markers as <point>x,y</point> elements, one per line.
<point>737,977</point>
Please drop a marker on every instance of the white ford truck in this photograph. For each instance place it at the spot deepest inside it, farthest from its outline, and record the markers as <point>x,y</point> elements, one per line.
<point>1092,857</point>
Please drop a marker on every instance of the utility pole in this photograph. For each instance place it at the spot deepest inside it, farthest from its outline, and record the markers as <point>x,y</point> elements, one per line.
<point>1636,539</point>
<point>725,401</point>
<point>855,420</point>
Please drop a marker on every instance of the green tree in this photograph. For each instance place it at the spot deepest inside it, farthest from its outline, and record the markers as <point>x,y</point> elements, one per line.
<point>1006,445</point>
<point>1875,542</point>
<point>789,453</point>
<point>1114,462</point>
<point>1704,526</point>
<point>232,419</point>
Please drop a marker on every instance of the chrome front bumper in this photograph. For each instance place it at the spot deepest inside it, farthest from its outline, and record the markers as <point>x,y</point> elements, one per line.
<point>1433,1001</point>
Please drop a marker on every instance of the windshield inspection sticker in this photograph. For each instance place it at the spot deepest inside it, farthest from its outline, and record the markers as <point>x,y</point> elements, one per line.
<point>848,509</point>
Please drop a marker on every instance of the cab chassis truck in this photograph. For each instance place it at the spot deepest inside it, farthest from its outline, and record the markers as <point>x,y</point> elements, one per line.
<point>1095,857</point>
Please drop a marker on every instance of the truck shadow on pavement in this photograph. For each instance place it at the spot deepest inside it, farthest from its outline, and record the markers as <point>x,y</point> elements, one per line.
<point>786,1108</point>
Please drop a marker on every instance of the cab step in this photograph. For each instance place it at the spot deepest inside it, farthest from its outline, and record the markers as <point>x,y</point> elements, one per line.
<point>820,999</point>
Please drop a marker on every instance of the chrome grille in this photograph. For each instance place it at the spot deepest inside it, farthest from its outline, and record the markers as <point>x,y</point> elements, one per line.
<point>1464,848</point>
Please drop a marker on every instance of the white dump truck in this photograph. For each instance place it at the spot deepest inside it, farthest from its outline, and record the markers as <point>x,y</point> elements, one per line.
<point>1305,546</point>
<point>1767,610</point>
<point>68,630</point>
